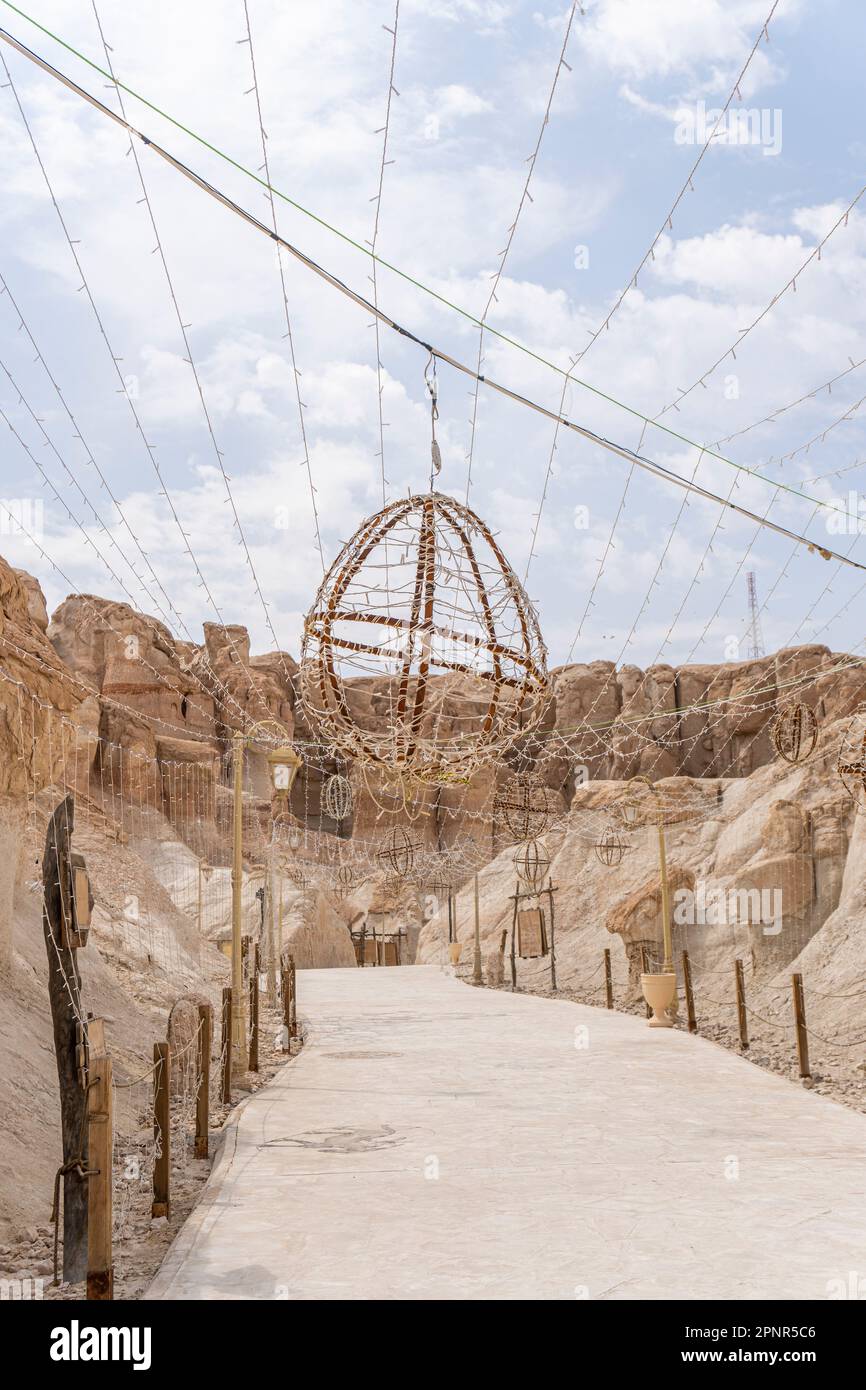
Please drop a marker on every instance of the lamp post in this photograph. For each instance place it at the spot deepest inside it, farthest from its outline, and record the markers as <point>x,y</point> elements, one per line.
<point>283,764</point>
<point>476,961</point>
<point>659,988</point>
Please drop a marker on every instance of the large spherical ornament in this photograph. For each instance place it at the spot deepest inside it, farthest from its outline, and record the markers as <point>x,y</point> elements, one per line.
<point>851,764</point>
<point>524,808</point>
<point>422,651</point>
<point>532,863</point>
<point>398,855</point>
<point>337,797</point>
<point>795,733</point>
<point>610,848</point>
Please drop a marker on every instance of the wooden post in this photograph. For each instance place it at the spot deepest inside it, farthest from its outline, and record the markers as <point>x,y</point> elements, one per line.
<point>245,956</point>
<point>608,980</point>
<point>64,993</point>
<point>645,971</point>
<point>513,955</point>
<point>293,1026</point>
<point>800,1024</point>
<point>254,1011</point>
<point>286,979</point>
<point>161,1205</point>
<point>741,1004</point>
<point>202,1099</point>
<point>100,1271</point>
<point>227,1046</point>
<point>476,958</point>
<point>690,996</point>
<point>550,893</point>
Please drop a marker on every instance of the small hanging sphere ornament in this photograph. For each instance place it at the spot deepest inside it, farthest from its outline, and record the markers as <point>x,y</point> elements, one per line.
<point>795,733</point>
<point>610,848</point>
<point>337,797</point>
<point>422,652</point>
<point>398,856</point>
<point>532,863</point>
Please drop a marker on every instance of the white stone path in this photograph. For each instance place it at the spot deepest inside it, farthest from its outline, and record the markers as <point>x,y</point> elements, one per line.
<point>599,1171</point>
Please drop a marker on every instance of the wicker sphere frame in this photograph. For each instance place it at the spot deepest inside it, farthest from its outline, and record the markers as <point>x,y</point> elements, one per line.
<point>423,599</point>
<point>851,763</point>
<point>337,797</point>
<point>610,849</point>
<point>524,808</point>
<point>795,733</point>
<point>532,863</point>
<point>398,856</point>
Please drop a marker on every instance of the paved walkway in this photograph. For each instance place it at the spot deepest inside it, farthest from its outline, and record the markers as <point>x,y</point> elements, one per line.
<point>435,1141</point>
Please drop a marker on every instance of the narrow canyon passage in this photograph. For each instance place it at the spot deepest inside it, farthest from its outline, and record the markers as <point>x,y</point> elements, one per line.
<point>435,1141</point>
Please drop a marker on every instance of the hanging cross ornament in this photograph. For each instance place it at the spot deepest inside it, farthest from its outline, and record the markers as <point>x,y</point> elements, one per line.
<point>525,809</point>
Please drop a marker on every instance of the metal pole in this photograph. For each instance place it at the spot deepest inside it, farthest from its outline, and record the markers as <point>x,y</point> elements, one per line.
<point>552,939</point>
<point>272,949</point>
<point>239,1032</point>
<point>476,962</point>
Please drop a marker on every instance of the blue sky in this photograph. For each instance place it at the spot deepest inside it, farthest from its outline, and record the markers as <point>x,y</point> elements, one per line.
<point>473,79</point>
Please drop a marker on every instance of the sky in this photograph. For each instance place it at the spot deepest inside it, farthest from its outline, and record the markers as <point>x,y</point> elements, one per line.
<point>122,425</point>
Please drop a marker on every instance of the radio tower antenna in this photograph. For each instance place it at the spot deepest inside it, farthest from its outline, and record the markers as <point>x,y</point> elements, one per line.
<point>756,640</point>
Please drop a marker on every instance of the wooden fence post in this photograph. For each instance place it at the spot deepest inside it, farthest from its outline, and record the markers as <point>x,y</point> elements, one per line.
<point>100,1124</point>
<point>227,1046</point>
<point>690,994</point>
<point>254,1010</point>
<point>608,980</point>
<point>202,1099</point>
<point>293,1026</point>
<point>800,1024</point>
<point>285,990</point>
<point>161,1205</point>
<point>740,985</point>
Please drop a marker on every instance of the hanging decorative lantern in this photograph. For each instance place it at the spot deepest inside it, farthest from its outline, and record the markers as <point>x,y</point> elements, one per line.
<point>422,600</point>
<point>795,733</point>
<point>398,856</point>
<point>524,809</point>
<point>610,848</point>
<point>851,764</point>
<point>337,797</point>
<point>532,864</point>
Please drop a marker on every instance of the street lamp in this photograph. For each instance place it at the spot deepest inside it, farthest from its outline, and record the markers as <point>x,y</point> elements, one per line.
<point>659,988</point>
<point>283,765</point>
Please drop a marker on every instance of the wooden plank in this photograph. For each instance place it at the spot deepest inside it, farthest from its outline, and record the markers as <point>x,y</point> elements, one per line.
<point>690,994</point>
<point>800,1024</point>
<point>227,1046</point>
<point>64,993</point>
<point>202,1100</point>
<point>742,1019</point>
<point>100,1120</point>
<point>161,1205</point>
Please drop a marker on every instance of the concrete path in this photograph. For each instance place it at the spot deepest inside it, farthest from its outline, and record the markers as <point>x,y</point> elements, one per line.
<point>435,1141</point>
